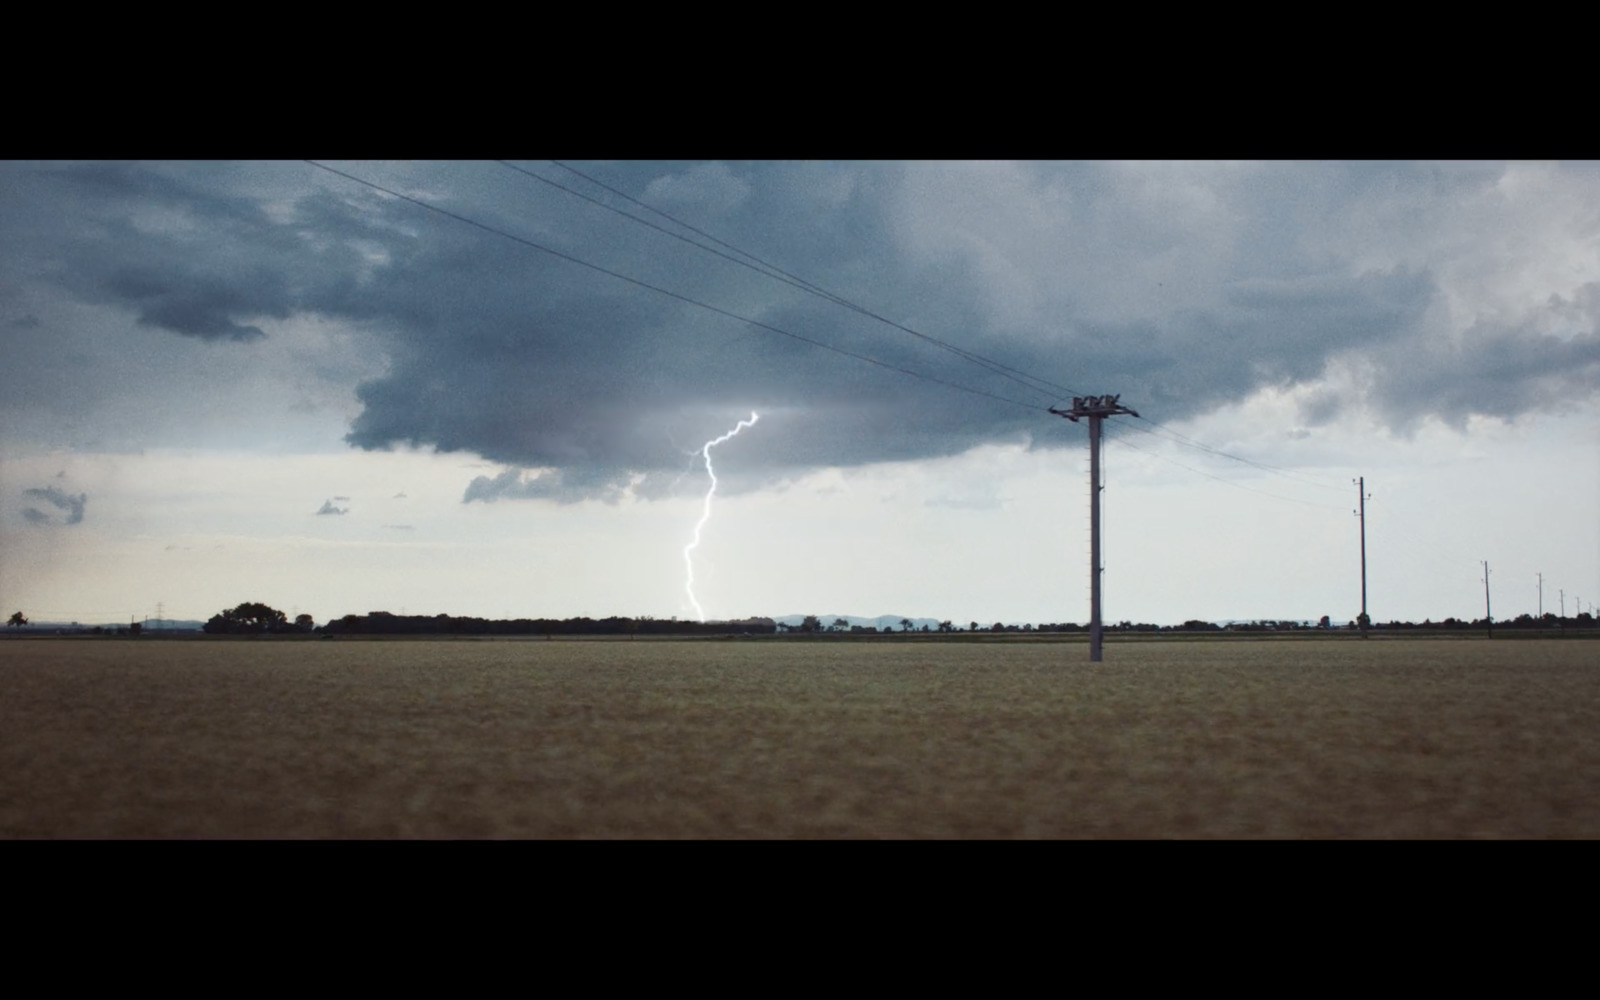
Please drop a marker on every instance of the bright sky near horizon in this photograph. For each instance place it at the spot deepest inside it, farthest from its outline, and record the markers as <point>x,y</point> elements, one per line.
<point>277,382</point>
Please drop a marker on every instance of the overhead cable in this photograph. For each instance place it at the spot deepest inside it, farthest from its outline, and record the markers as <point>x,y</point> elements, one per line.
<point>1033,382</point>
<point>664,291</point>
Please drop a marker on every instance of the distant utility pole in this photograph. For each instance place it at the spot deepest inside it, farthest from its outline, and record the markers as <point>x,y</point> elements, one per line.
<point>1541,595</point>
<point>1487,617</point>
<point>1096,408</point>
<point>1361,512</point>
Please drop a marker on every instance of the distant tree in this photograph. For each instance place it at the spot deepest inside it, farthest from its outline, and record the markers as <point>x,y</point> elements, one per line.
<point>248,617</point>
<point>840,625</point>
<point>905,624</point>
<point>946,626</point>
<point>1323,622</point>
<point>305,622</point>
<point>997,627</point>
<point>17,621</point>
<point>972,626</point>
<point>811,623</point>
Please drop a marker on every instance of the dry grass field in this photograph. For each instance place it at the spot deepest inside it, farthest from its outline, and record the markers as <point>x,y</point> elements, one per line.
<point>782,739</point>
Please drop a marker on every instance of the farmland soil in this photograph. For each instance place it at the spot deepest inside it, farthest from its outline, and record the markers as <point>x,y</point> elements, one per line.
<point>762,739</point>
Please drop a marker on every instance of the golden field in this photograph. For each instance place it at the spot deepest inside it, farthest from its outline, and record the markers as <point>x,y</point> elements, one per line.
<point>1328,738</point>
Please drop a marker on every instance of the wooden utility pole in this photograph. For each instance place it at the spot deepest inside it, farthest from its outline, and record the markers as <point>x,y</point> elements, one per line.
<point>1361,512</point>
<point>1488,618</point>
<point>1096,408</point>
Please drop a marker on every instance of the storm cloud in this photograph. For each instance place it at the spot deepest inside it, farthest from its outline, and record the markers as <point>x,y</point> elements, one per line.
<point>72,505</point>
<point>565,486</point>
<point>1181,287</point>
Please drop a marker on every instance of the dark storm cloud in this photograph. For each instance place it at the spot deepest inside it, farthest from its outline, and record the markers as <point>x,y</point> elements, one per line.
<point>200,307</point>
<point>1491,372</point>
<point>1277,332</point>
<point>186,259</point>
<point>72,504</point>
<point>1181,288</point>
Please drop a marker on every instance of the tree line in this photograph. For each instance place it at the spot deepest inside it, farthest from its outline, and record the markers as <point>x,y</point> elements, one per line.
<point>384,623</point>
<point>255,618</point>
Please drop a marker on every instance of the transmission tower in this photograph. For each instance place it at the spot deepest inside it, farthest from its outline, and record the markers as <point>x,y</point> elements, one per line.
<point>1096,408</point>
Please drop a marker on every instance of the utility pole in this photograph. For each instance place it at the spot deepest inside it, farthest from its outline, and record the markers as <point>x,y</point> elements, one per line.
<point>1361,512</point>
<point>1096,408</point>
<point>1487,617</point>
<point>1541,595</point>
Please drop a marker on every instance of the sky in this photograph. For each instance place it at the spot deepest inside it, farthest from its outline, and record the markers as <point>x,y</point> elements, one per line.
<point>486,388</point>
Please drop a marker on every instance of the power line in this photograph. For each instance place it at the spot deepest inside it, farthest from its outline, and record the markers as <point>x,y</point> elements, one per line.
<point>1226,482</point>
<point>773,271</point>
<point>663,291</point>
<point>1163,430</point>
<point>1033,382</point>
<point>764,269</point>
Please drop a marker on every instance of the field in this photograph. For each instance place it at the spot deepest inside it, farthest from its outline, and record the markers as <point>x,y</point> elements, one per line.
<point>1393,738</point>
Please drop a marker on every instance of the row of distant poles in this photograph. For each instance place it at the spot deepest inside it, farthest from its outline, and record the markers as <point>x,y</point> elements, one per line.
<point>1097,408</point>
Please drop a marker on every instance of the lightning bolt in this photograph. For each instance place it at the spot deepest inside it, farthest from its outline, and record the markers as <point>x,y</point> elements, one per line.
<point>705,514</point>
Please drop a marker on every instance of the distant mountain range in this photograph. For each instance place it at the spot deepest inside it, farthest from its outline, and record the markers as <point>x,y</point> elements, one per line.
<point>880,623</point>
<point>150,625</point>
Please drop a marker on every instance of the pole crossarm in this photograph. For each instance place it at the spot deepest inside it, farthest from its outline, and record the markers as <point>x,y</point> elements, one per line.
<point>1093,406</point>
